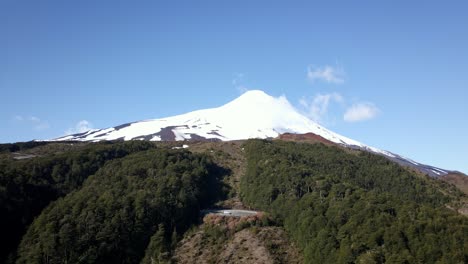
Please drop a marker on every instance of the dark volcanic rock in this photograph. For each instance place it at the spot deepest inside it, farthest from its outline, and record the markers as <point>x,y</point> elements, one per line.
<point>166,134</point>
<point>305,137</point>
<point>195,137</point>
<point>122,126</point>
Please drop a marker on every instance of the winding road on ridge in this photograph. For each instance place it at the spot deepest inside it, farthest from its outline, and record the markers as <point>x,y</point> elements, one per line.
<point>229,212</point>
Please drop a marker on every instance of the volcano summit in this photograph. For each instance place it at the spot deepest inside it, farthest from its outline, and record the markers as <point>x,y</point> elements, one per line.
<point>254,114</point>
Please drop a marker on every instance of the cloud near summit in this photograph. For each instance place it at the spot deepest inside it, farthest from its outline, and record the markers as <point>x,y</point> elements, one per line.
<point>80,127</point>
<point>327,73</point>
<point>361,112</point>
<point>35,122</point>
<point>317,108</point>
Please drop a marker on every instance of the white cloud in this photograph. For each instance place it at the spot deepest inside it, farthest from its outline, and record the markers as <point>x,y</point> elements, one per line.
<point>327,74</point>
<point>242,89</point>
<point>303,102</point>
<point>361,112</point>
<point>317,109</point>
<point>42,126</point>
<point>34,119</point>
<point>38,123</point>
<point>80,127</point>
<point>35,122</point>
<point>237,81</point>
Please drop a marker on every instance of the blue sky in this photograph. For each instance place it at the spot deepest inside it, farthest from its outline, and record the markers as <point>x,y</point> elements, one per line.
<point>391,74</point>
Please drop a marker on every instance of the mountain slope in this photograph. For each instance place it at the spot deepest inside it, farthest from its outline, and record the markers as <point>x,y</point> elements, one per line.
<point>254,114</point>
<point>345,208</point>
<point>318,193</point>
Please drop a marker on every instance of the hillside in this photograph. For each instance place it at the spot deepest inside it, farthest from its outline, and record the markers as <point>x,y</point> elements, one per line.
<point>354,207</point>
<point>140,202</point>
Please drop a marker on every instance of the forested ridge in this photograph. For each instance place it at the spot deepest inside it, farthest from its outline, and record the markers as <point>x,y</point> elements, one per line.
<point>121,202</point>
<point>28,186</point>
<point>131,202</point>
<point>353,208</point>
<point>153,195</point>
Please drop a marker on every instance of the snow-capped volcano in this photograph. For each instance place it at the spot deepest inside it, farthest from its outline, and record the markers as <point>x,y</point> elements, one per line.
<point>254,114</point>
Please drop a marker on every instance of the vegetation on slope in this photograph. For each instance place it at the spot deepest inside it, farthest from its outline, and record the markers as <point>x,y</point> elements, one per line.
<point>225,239</point>
<point>12,147</point>
<point>130,202</point>
<point>28,186</point>
<point>346,208</point>
<point>143,201</point>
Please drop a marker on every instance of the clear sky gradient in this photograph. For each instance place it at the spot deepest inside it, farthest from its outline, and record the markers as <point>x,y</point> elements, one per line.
<point>391,74</point>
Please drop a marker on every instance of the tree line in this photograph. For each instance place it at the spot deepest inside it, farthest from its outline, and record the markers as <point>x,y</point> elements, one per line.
<point>121,202</point>
<point>343,207</point>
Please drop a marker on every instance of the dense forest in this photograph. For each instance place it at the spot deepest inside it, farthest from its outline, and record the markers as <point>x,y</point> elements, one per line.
<point>111,203</point>
<point>131,202</point>
<point>344,207</point>
<point>28,186</point>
